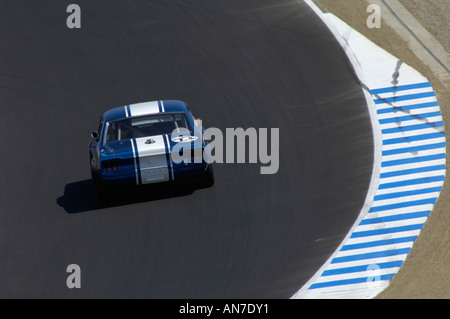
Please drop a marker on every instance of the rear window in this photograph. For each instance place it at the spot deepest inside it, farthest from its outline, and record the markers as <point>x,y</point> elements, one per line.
<point>149,125</point>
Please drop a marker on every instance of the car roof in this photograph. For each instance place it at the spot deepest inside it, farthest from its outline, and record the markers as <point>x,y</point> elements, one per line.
<point>145,108</point>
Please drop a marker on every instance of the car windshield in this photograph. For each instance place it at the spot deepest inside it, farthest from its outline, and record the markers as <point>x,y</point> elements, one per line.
<point>149,125</point>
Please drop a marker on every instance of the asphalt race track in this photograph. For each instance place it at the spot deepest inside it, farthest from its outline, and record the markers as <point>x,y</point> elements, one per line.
<point>237,63</point>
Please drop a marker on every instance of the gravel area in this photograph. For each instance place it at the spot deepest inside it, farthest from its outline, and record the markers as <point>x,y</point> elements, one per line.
<point>433,15</point>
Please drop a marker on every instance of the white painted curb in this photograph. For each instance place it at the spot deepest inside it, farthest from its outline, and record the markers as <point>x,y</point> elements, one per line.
<point>408,173</point>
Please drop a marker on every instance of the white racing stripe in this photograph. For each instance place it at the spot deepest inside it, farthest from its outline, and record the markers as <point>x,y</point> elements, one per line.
<point>152,159</point>
<point>144,108</point>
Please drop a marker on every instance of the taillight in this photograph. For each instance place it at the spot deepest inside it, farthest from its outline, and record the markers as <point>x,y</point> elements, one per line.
<point>111,165</point>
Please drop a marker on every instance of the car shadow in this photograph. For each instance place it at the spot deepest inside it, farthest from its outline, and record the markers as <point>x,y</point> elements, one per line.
<point>81,196</point>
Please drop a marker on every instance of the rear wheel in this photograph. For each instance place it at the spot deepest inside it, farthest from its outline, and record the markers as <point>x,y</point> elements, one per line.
<point>206,179</point>
<point>101,189</point>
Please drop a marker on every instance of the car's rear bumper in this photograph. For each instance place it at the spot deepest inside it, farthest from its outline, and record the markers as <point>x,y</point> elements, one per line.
<point>152,175</point>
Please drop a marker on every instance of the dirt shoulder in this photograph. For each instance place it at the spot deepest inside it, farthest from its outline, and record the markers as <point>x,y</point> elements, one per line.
<point>426,271</point>
<point>433,15</point>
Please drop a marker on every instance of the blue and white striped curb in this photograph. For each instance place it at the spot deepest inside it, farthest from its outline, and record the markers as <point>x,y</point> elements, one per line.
<point>411,178</point>
<point>408,174</point>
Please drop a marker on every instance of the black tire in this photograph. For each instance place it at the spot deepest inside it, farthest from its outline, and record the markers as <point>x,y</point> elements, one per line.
<point>206,179</point>
<point>101,189</point>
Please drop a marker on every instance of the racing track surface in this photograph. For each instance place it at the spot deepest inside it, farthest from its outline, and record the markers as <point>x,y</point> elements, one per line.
<point>251,63</point>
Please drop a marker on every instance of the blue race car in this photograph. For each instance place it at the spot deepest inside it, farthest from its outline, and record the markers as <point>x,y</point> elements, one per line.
<point>135,144</point>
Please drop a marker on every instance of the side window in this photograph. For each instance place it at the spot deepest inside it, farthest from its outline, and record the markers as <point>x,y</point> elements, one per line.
<point>180,120</point>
